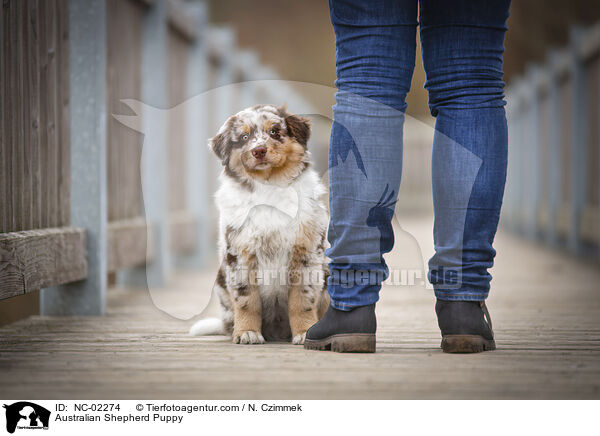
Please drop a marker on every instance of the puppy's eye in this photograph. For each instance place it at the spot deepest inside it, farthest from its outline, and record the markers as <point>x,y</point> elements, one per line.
<point>244,137</point>
<point>273,132</point>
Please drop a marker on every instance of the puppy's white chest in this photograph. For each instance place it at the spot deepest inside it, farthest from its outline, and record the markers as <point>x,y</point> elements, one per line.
<point>272,209</point>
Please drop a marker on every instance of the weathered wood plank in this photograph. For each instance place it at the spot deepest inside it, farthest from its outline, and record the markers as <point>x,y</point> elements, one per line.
<point>34,132</point>
<point>14,137</point>
<point>52,117</point>
<point>3,116</point>
<point>35,259</point>
<point>124,19</point>
<point>546,324</point>
<point>43,131</point>
<point>129,244</point>
<point>23,173</point>
<point>64,132</point>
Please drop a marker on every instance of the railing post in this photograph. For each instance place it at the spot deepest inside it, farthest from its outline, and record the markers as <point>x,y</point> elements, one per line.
<point>198,195</point>
<point>154,156</point>
<point>517,157</point>
<point>580,132</point>
<point>154,152</point>
<point>555,148</point>
<point>222,43</point>
<point>534,153</point>
<point>508,208</point>
<point>223,39</point>
<point>247,64</point>
<point>87,76</point>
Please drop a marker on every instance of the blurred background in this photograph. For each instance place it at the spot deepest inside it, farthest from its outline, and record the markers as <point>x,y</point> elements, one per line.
<point>72,215</point>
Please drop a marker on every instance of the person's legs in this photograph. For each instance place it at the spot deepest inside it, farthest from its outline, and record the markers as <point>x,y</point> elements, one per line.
<point>375,55</point>
<point>463,43</point>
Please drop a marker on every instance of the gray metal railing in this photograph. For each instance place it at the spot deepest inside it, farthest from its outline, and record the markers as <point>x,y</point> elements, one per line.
<point>553,112</point>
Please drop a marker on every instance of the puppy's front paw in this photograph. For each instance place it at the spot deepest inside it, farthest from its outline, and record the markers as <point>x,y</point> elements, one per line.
<point>299,339</point>
<point>248,337</point>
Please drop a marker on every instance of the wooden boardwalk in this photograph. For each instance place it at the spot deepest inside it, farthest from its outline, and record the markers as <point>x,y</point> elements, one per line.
<point>545,306</point>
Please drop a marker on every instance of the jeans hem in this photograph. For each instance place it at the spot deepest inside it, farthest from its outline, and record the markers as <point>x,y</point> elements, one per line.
<point>457,296</point>
<point>348,307</point>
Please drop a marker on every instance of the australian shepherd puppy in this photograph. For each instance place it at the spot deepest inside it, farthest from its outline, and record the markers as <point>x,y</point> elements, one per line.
<point>272,280</point>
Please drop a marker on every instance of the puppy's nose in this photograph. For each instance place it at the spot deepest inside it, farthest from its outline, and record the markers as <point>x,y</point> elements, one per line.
<point>259,152</point>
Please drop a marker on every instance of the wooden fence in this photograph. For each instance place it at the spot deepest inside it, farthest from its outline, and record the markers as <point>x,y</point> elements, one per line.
<point>37,247</point>
<point>72,206</point>
<point>553,192</point>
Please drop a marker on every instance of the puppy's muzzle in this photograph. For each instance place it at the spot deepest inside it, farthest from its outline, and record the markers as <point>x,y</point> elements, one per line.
<point>259,153</point>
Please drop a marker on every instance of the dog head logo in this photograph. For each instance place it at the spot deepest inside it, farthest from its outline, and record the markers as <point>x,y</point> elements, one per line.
<point>24,414</point>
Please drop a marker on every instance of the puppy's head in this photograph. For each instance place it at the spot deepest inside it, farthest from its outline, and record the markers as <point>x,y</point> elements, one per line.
<point>263,143</point>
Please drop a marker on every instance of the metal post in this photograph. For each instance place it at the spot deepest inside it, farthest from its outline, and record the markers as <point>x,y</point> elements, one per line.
<point>198,195</point>
<point>554,169</point>
<point>580,132</point>
<point>534,77</point>
<point>247,64</point>
<point>87,60</point>
<point>154,152</point>
<point>508,209</point>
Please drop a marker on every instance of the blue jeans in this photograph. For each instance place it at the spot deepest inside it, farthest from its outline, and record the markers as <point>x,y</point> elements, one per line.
<point>462,43</point>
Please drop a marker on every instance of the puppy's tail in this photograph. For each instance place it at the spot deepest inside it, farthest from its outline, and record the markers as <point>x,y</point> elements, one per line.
<point>208,326</point>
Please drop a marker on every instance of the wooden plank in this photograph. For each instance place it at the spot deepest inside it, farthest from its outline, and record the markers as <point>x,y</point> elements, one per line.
<point>124,19</point>
<point>16,144</point>
<point>128,244</point>
<point>183,229</point>
<point>35,259</point>
<point>3,116</point>
<point>548,344</point>
<point>63,116</point>
<point>24,167</point>
<point>52,120</point>
<point>43,108</point>
<point>12,123</point>
<point>34,133</point>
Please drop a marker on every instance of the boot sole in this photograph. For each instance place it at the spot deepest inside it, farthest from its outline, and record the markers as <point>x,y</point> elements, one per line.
<point>466,344</point>
<point>344,343</point>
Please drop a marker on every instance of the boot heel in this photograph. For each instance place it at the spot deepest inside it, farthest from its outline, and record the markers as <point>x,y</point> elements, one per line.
<point>353,343</point>
<point>466,344</point>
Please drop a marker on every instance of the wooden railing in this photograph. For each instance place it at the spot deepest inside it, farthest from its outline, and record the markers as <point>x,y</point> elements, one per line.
<point>37,245</point>
<point>554,141</point>
<point>72,207</point>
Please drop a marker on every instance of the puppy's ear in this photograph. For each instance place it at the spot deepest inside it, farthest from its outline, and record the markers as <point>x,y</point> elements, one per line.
<point>297,127</point>
<point>218,144</point>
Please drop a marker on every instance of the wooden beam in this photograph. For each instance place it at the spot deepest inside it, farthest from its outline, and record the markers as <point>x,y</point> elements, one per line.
<point>35,259</point>
<point>129,244</point>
